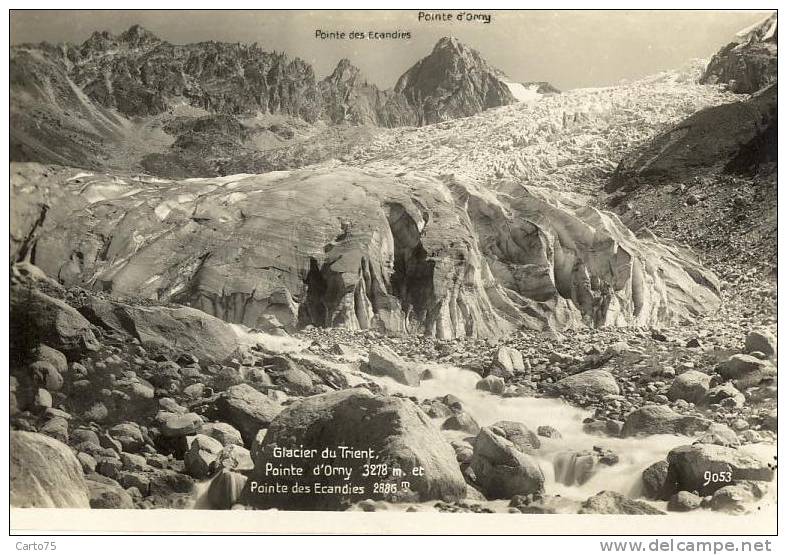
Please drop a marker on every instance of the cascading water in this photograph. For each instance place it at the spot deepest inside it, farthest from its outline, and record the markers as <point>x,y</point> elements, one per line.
<point>567,468</point>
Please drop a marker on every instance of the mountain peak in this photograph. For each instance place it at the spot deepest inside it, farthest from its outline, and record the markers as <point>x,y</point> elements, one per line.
<point>453,81</point>
<point>344,71</point>
<point>137,35</point>
<point>448,43</point>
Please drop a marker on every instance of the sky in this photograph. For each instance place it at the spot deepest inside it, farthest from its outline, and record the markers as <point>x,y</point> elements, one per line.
<point>570,49</point>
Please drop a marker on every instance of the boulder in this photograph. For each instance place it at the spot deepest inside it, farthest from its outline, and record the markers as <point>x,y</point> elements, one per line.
<point>762,341</point>
<point>724,391</point>
<point>57,428</point>
<point>202,455</point>
<point>129,435</point>
<point>45,374</point>
<point>684,501</point>
<point>507,362</point>
<point>223,432</point>
<point>720,434</point>
<point>746,370</point>
<point>397,432</point>
<point>52,356</point>
<point>517,433</point>
<point>492,384</point>
<point>45,473</point>
<point>384,362</point>
<point>501,469</point>
<point>660,419</point>
<point>178,425</point>
<point>770,420</point>
<point>614,503</point>
<point>56,324</point>
<point>165,482</point>
<point>289,376</point>
<point>596,383</point>
<point>690,386</point>
<point>462,422</point>
<point>549,431</point>
<point>167,329</point>
<point>235,457</point>
<point>247,410</point>
<point>690,463</point>
<point>737,498</point>
<point>87,461</point>
<point>134,463</point>
<point>658,482</point>
<point>108,496</point>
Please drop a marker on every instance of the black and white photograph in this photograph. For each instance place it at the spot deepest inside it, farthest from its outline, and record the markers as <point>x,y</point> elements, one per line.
<point>427,266</point>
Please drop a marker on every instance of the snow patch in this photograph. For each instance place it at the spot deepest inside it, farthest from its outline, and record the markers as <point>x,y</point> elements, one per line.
<point>523,93</point>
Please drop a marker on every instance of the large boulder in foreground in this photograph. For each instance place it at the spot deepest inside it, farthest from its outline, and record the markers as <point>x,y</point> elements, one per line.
<point>688,464</point>
<point>45,473</point>
<point>396,431</point>
<point>501,469</point>
<point>658,419</point>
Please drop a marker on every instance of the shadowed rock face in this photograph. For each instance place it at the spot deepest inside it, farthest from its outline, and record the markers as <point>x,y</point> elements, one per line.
<point>343,247</point>
<point>750,62</point>
<point>737,137</point>
<point>453,81</point>
<point>349,97</point>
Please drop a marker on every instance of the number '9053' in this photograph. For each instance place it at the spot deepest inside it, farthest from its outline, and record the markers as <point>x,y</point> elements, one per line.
<point>716,477</point>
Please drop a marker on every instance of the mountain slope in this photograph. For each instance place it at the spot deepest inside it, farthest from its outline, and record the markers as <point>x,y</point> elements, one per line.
<point>113,102</point>
<point>738,136</point>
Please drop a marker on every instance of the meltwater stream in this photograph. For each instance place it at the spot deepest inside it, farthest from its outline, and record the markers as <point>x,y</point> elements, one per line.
<point>635,454</point>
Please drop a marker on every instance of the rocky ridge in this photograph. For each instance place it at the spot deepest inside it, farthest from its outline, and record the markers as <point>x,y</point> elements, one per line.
<point>111,97</point>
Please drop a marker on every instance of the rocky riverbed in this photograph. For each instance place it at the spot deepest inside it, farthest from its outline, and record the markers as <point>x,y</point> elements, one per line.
<point>150,406</point>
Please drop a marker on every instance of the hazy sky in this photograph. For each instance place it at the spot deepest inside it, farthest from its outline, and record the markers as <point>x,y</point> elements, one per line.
<point>567,48</point>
